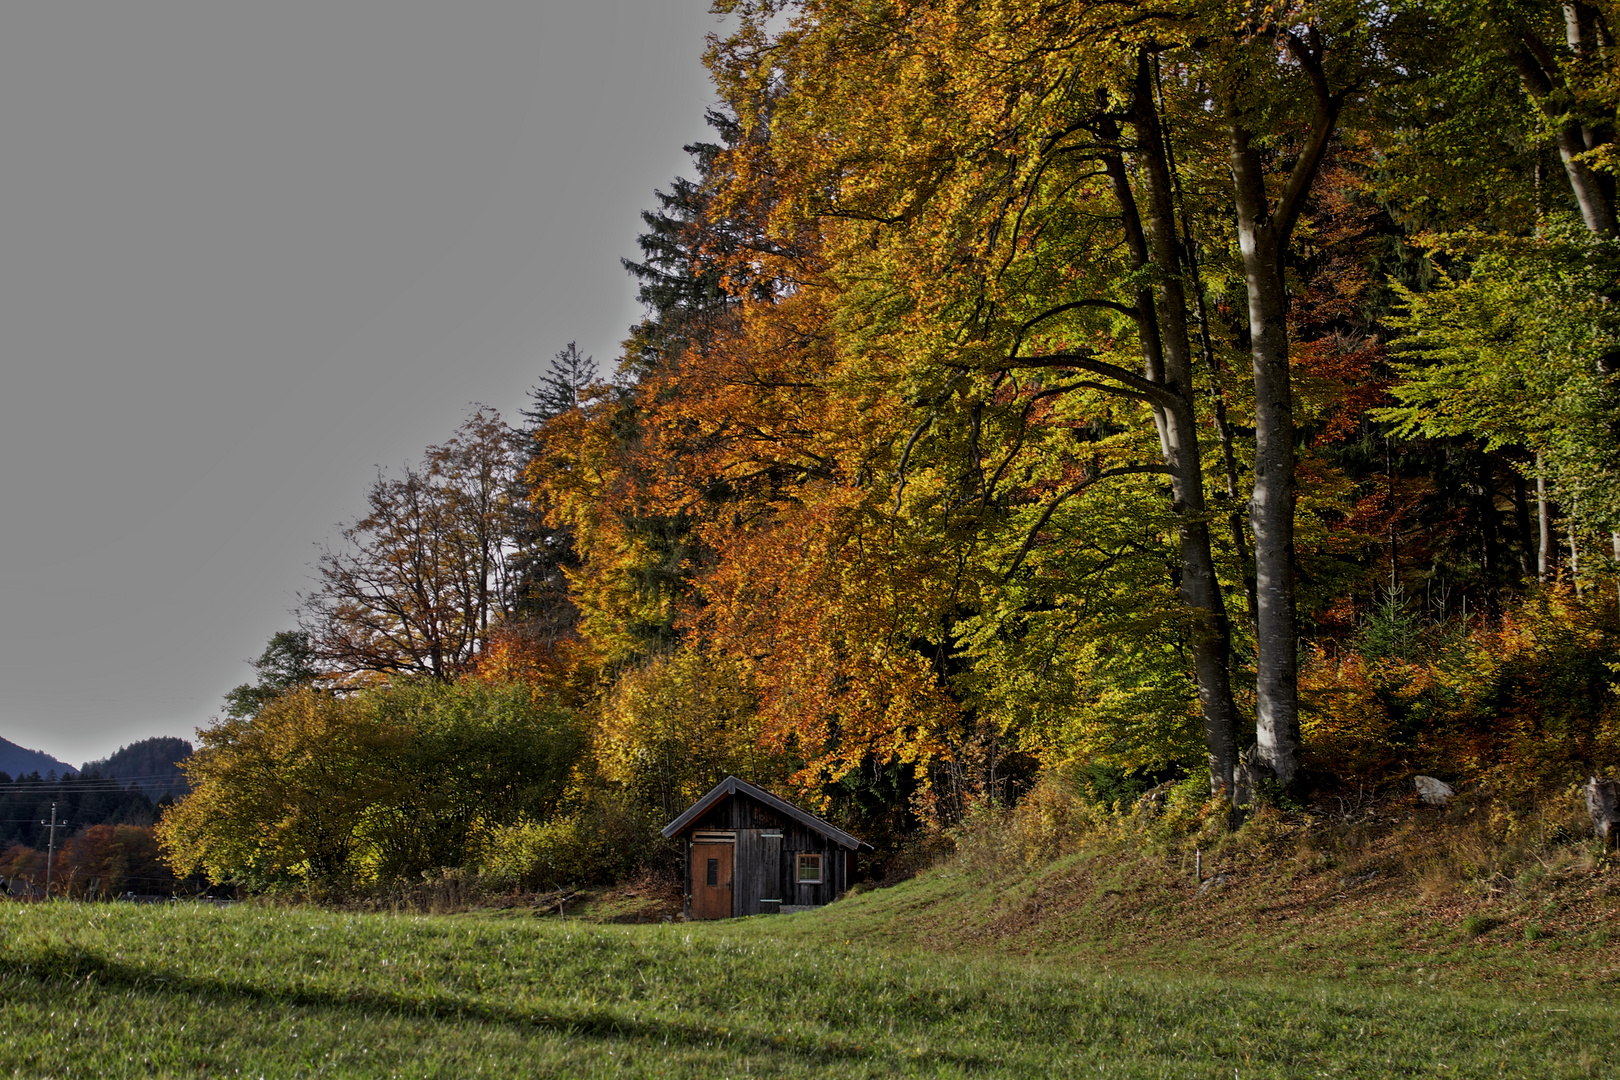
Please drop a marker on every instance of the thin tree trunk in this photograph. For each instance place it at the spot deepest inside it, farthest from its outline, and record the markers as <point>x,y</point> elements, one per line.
<point>1575,560</point>
<point>1489,522</point>
<point>1389,508</point>
<point>1614,547</point>
<point>1211,639</point>
<point>1544,554</point>
<point>1223,426</point>
<point>1521,514</point>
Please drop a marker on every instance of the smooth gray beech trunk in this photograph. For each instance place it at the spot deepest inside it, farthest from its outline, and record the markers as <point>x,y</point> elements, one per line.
<point>1614,546</point>
<point>1271,510</point>
<point>1264,230</point>
<point>1588,40</point>
<point>1575,563</point>
<point>1594,191</point>
<point>1541,71</point>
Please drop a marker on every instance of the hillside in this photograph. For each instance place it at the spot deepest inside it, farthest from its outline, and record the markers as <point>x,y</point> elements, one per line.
<point>1367,939</point>
<point>1251,918</point>
<point>1390,893</point>
<point>152,764</point>
<point>20,761</point>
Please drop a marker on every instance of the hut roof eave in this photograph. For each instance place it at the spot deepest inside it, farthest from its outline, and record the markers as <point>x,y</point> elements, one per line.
<point>733,786</point>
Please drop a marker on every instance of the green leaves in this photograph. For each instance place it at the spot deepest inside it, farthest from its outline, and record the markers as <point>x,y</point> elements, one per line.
<point>1512,354</point>
<point>329,792</point>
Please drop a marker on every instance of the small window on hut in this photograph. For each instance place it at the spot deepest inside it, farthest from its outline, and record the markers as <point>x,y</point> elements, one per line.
<point>713,875</point>
<point>809,869</point>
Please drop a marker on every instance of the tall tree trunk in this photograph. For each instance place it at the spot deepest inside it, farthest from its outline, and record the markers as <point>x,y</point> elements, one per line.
<point>1166,355</point>
<point>1271,513</point>
<point>1575,557</point>
<point>1489,520</point>
<point>1521,515</point>
<point>1389,508</point>
<point>1211,638</point>
<point>1223,426</point>
<point>1543,78</point>
<point>1614,547</point>
<point>1597,211</point>
<point>1264,232</point>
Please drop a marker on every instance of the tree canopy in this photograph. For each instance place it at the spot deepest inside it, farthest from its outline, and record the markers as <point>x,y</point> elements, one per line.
<point>1024,388</point>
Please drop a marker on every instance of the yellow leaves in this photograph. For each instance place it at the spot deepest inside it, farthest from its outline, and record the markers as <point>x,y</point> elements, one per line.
<point>328,790</point>
<point>1343,720</point>
<point>674,727</point>
<point>1513,700</point>
<point>260,790</point>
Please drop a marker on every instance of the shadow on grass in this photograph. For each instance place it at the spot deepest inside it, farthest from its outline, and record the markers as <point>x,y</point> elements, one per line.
<point>55,964</point>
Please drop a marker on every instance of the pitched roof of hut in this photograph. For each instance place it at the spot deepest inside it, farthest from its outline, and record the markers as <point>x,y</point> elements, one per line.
<point>733,786</point>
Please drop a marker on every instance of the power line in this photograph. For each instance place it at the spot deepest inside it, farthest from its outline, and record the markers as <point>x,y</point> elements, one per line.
<point>90,785</point>
<point>66,777</point>
<point>53,791</point>
<point>65,790</point>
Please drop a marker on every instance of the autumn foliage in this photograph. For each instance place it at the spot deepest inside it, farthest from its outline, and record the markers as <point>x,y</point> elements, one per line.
<point>1121,393</point>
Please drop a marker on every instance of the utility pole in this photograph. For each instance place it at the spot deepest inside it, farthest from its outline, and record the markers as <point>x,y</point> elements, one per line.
<point>50,849</point>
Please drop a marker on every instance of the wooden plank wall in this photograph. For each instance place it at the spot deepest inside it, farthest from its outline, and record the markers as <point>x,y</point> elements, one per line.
<point>686,872</point>
<point>770,870</point>
<point>746,874</point>
<point>767,868</point>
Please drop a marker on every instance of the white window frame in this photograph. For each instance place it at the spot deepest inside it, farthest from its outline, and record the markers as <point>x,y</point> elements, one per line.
<point>821,863</point>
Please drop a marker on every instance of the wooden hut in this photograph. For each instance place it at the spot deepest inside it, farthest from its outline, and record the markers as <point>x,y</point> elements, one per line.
<point>751,853</point>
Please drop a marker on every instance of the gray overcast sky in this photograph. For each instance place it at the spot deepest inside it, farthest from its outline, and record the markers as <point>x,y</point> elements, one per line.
<point>249,253</point>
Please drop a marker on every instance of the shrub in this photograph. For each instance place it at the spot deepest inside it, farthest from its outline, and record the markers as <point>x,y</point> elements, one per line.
<point>338,793</point>
<point>1522,702</point>
<point>115,857</point>
<point>607,837</point>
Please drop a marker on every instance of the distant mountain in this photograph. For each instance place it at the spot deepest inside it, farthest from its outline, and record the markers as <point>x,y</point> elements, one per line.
<point>20,761</point>
<point>152,764</point>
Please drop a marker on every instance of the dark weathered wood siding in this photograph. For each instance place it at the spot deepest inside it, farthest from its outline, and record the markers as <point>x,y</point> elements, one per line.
<point>767,858</point>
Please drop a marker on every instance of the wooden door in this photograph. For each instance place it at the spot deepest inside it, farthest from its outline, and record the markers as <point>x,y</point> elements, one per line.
<point>712,866</point>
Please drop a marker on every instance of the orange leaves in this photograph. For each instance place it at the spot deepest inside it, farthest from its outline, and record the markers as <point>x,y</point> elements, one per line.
<point>117,858</point>
<point>1340,379</point>
<point>1340,366</point>
<point>826,618</point>
<point>1516,701</point>
<point>1346,725</point>
<point>512,656</point>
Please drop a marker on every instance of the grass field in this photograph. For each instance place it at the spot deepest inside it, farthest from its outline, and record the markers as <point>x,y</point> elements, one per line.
<point>187,990</point>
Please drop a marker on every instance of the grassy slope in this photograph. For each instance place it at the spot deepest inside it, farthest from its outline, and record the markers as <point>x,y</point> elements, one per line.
<point>196,991</point>
<point>1394,893</point>
<point>1398,941</point>
<point>1111,908</point>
